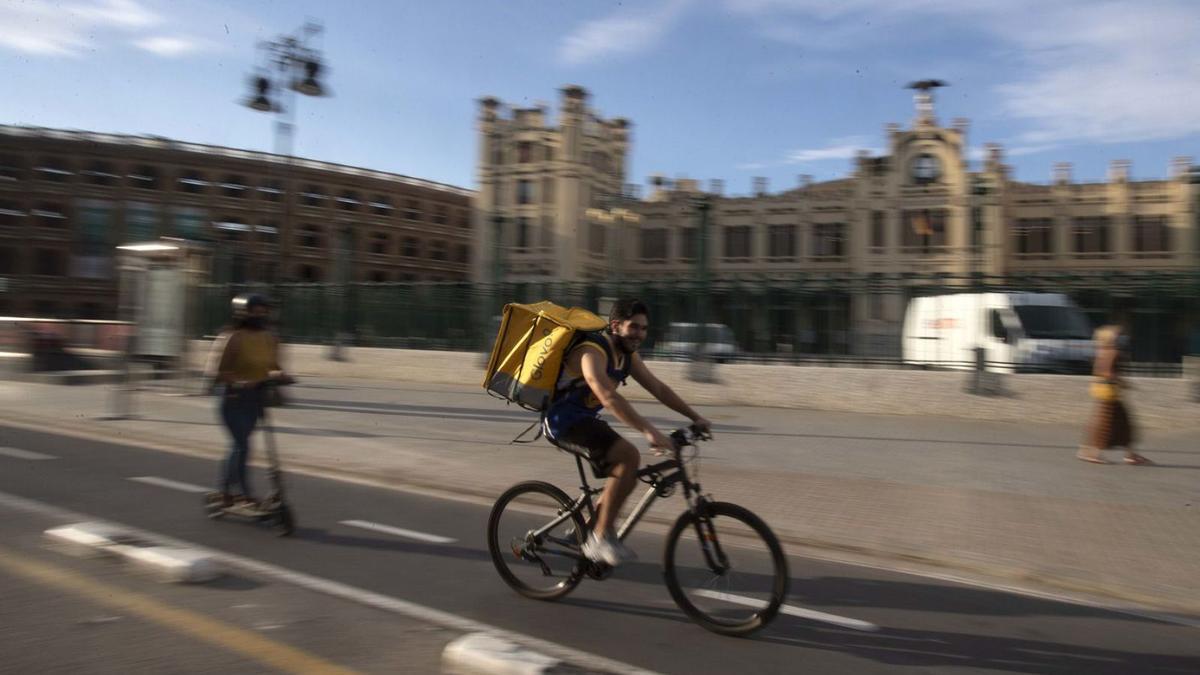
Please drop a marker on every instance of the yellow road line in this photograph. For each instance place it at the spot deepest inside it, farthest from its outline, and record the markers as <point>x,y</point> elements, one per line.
<point>239,640</point>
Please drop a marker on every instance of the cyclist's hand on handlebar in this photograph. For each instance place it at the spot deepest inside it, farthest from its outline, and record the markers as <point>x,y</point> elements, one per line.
<point>660,443</point>
<point>702,427</point>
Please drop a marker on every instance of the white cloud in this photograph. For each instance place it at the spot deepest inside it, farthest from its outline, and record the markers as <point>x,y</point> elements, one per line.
<point>1088,71</point>
<point>72,29</point>
<point>621,34</point>
<point>167,46</point>
<point>838,148</point>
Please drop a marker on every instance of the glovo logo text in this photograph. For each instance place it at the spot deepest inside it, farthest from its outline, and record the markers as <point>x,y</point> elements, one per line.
<point>544,348</point>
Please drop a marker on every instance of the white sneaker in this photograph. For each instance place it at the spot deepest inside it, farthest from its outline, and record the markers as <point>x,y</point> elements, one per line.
<point>607,549</point>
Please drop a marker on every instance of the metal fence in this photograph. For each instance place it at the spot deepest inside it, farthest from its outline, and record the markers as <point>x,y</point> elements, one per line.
<point>800,320</point>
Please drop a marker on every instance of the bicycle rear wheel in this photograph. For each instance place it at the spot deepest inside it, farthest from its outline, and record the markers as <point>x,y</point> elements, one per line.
<point>734,585</point>
<point>536,561</point>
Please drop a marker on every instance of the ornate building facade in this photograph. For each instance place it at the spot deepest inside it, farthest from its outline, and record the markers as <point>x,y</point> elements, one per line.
<point>916,213</point>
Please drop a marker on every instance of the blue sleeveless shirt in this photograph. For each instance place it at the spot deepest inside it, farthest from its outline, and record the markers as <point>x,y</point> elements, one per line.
<point>574,400</point>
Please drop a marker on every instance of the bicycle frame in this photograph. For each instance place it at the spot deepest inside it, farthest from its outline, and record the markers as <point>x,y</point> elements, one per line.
<point>660,486</point>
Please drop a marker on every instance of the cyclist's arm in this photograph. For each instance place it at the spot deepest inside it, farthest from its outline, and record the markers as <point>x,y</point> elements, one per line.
<point>593,364</point>
<point>659,389</point>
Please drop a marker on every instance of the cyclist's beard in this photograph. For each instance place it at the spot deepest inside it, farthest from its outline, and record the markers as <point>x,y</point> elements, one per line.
<point>626,345</point>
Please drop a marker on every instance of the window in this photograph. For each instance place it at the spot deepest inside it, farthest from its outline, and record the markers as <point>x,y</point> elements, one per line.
<point>462,254</point>
<point>878,232</point>
<point>524,152</point>
<point>8,260</point>
<point>310,236</point>
<point>737,242</point>
<point>1090,234</point>
<point>923,230</point>
<point>782,242</point>
<point>497,149</point>
<point>54,170</point>
<point>379,243</point>
<point>271,190</point>
<point>309,274</point>
<point>441,215</point>
<point>234,187</point>
<point>412,247</point>
<point>11,215</point>
<point>688,244</point>
<point>94,242</point>
<point>464,219</point>
<point>596,235</point>
<point>101,173</point>
<point>349,201</point>
<point>12,169</point>
<point>379,277</point>
<point>1151,234</point>
<point>192,182</point>
<point>654,244</point>
<point>976,227</point>
<point>141,221</point>
<point>312,196</point>
<point>829,240</point>
<point>547,190</point>
<point>145,177</point>
<point>190,223</point>
<point>438,250</point>
<point>524,192</point>
<point>412,209</point>
<point>48,262</point>
<point>1035,236</point>
<point>268,232</point>
<point>522,243</point>
<point>381,205</point>
<point>547,232</point>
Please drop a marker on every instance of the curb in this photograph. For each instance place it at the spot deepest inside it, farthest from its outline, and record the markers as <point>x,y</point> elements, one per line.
<point>1097,594</point>
<point>172,564</point>
<point>487,654</point>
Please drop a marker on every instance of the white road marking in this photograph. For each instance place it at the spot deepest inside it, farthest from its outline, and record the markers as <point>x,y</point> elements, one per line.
<point>398,531</point>
<point>344,591</point>
<point>17,453</point>
<point>170,484</point>
<point>843,621</point>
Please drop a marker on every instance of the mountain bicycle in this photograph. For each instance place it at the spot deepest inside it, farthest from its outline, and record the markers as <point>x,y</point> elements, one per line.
<point>722,565</point>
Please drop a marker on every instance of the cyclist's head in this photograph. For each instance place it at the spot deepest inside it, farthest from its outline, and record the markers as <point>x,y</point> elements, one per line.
<point>628,322</point>
<point>250,310</point>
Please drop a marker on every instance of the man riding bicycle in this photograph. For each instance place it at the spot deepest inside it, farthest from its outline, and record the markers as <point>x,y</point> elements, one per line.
<point>591,373</point>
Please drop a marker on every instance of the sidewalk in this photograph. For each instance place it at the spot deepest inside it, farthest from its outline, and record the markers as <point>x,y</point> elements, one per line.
<point>999,500</point>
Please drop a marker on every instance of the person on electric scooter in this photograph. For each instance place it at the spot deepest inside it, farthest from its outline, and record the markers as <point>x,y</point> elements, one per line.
<point>249,360</point>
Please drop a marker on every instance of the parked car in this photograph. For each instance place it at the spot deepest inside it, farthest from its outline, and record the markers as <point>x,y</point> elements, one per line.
<point>687,340</point>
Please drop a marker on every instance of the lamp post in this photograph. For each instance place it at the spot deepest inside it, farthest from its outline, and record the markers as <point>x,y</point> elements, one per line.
<point>700,369</point>
<point>290,65</point>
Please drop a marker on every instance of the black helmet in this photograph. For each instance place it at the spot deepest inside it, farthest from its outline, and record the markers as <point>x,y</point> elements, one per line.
<point>243,303</point>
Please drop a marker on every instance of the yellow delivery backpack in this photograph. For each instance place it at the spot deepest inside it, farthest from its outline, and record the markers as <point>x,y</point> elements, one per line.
<point>530,348</point>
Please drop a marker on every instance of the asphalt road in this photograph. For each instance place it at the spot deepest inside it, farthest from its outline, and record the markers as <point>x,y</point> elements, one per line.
<point>919,623</point>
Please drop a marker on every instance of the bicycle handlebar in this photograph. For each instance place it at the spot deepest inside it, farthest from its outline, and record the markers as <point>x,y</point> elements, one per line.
<point>689,436</point>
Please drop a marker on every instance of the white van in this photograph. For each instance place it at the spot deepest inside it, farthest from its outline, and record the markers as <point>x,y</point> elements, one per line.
<point>683,340</point>
<point>1019,332</point>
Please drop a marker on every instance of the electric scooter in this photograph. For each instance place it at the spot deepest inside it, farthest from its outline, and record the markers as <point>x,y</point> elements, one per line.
<point>273,510</point>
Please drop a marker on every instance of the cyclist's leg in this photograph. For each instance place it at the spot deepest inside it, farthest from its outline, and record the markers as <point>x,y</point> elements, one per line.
<point>622,460</point>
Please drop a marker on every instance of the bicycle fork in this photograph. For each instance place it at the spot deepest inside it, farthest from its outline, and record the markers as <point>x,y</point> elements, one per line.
<point>714,555</point>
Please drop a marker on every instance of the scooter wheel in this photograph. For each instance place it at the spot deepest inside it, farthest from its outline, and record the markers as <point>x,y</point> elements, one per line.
<point>284,522</point>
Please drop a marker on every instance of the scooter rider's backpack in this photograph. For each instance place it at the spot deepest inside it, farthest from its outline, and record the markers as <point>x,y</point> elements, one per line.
<point>530,348</point>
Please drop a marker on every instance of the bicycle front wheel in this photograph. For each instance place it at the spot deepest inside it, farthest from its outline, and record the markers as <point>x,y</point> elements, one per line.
<point>537,559</point>
<point>725,569</point>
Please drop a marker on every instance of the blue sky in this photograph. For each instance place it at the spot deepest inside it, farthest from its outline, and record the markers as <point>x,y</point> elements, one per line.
<point>727,89</point>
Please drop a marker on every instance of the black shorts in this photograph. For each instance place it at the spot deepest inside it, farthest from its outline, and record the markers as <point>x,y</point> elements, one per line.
<point>590,439</point>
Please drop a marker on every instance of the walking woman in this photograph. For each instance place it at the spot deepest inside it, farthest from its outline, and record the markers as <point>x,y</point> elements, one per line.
<point>250,356</point>
<point>1111,426</point>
